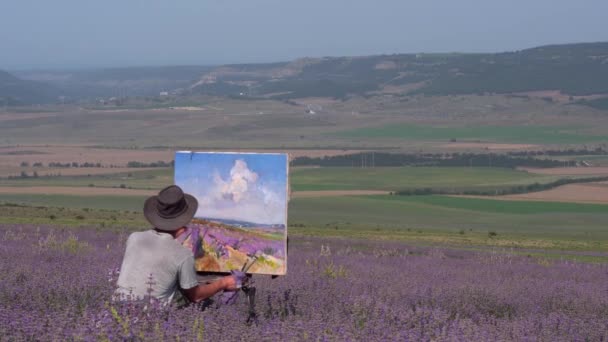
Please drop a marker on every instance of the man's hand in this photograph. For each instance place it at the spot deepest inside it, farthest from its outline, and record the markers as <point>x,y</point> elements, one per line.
<point>229,283</point>
<point>235,281</point>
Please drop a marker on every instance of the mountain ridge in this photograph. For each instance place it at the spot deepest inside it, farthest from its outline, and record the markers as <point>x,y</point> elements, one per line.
<point>578,69</point>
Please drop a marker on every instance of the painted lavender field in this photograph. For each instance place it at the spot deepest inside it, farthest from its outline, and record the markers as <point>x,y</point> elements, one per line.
<point>220,246</point>
<point>242,210</point>
<point>56,286</point>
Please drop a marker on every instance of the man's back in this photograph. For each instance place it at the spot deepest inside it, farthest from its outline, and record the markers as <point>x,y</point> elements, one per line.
<point>154,260</point>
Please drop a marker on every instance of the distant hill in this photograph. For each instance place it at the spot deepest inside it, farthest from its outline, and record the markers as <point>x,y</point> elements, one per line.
<point>15,91</point>
<point>572,69</point>
<point>575,69</point>
<point>108,82</point>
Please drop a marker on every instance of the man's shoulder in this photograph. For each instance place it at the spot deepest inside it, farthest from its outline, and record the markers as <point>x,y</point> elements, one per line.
<point>169,246</point>
<point>138,235</point>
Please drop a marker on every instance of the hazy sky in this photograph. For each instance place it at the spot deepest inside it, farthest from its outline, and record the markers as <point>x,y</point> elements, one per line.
<point>78,33</point>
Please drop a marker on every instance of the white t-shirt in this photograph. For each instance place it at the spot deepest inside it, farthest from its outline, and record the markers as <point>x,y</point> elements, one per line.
<point>155,264</point>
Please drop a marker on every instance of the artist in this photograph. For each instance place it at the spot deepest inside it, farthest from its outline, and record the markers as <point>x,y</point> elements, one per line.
<point>155,264</point>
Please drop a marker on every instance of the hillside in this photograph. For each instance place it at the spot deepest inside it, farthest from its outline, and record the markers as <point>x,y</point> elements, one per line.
<point>567,70</point>
<point>574,69</point>
<point>15,91</point>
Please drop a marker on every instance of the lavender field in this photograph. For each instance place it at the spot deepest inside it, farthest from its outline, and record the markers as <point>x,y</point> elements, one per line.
<point>56,285</point>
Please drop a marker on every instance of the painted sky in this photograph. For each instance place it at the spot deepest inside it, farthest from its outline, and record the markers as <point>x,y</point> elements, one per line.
<point>87,33</point>
<point>244,187</point>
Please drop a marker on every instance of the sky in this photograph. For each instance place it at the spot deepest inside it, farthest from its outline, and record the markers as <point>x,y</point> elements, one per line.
<point>114,33</point>
<point>244,187</point>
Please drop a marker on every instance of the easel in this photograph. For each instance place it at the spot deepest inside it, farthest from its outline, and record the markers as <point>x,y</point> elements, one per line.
<point>247,288</point>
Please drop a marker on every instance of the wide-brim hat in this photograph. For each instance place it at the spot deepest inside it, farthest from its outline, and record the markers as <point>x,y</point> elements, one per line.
<point>171,209</point>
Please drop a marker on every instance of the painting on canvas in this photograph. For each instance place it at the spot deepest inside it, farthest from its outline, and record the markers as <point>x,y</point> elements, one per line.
<point>242,212</point>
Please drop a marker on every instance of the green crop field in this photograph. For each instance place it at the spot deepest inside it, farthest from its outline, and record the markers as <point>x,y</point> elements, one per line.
<point>327,178</point>
<point>128,203</point>
<point>506,134</point>
<point>401,178</point>
<point>442,214</point>
<point>423,219</point>
<point>149,179</point>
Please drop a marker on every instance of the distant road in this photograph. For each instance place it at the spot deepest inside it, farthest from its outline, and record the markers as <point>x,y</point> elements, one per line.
<point>568,171</point>
<point>332,193</point>
<point>578,193</point>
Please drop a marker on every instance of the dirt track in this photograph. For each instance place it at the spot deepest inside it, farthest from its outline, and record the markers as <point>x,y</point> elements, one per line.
<point>488,146</point>
<point>333,193</point>
<point>569,171</point>
<point>579,193</point>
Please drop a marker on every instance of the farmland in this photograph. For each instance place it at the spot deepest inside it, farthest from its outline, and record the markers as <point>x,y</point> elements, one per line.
<point>524,266</point>
<point>335,292</point>
<point>328,178</point>
<point>395,178</point>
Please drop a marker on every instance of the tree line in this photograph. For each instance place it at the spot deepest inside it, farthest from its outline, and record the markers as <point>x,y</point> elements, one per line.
<point>518,189</point>
<point>132,164</point>
<point>598,151</point>
<point>382,159</point>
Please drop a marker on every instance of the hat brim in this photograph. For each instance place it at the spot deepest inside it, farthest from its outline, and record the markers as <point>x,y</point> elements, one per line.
<point>151,214</point>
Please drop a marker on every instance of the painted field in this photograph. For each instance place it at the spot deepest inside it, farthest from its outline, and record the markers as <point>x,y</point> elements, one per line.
<point>487,133</point>
<point>401,178</point>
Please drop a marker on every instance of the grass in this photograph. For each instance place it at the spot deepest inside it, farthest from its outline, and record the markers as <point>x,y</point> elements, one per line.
<point>122,203</point>
<point>12,213</point>
<point>402,178</point>
<point>149,179</point>
<point>328,178</point>
<point>457,220</point>
<point>503,207</point>
<point>506,134</point>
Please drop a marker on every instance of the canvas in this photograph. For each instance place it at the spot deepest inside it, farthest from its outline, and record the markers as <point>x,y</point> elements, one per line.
<point>242,213</point>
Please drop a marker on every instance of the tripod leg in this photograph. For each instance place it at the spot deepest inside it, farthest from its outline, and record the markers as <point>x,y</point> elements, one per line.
<point>253,317</point>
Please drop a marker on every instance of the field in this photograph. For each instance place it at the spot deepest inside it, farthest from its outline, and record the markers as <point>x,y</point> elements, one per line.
<point>546,226</point>
<point>505,134</point>
<point>337,289</point>
<point>580,193</point>
<point>316,179</point>
<point>394,179</point>
<point>407,123</point>
<point>364,263</point>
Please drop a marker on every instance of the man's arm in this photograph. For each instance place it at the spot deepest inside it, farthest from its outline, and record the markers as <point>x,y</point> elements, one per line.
<point>200,292</point>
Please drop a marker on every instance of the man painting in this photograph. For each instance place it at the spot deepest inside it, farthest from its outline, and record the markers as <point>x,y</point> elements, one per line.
<point>155,264</point>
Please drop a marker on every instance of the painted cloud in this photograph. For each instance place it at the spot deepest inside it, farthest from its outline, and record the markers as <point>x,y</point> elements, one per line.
<point>236,190</point>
